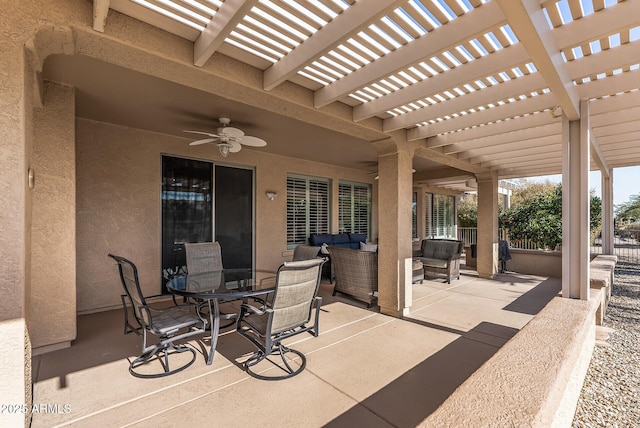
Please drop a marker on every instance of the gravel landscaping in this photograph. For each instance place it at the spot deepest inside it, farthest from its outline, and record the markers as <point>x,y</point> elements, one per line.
<point>610,395</point>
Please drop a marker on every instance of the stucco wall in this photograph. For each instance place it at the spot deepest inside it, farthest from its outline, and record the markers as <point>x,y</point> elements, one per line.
<point>536,262</point>
<point>118,204</point>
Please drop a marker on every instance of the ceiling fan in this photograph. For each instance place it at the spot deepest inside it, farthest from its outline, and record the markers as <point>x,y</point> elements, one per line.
<point>230,139</point>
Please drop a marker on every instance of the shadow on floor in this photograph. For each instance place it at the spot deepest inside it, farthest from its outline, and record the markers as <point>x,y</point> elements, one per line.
<point>534,300</point>
<point>416,394</point>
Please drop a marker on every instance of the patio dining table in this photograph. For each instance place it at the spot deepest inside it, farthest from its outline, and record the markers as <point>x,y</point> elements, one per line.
<point>216,286</point>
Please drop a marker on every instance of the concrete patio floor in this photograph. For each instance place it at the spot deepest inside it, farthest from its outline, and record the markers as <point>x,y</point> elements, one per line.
<point>365,369</point>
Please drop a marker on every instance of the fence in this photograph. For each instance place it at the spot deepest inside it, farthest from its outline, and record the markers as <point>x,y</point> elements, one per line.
<point>626,243</point>
<point>627,246</point>
<point>469,235</point>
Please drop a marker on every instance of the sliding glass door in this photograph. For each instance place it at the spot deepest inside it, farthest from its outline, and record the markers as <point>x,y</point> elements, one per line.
<point>203,202</point>
<point>187,209</point>
<point>234,215</point>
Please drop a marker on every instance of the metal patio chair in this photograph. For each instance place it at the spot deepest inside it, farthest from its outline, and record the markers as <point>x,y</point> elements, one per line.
<point>170,324</point>
<point>287,315</point>
<point>203,257</point>
<point>206,257</point>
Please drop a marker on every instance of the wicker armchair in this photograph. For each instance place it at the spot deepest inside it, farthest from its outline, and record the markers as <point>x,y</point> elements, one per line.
<point>356,273</point>
<point>441,258</point>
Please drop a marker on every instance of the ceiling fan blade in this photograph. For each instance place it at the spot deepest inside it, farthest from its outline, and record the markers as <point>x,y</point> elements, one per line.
<point>203,133</point>
<point>198,142</point>
<point>235,146</point>
<point>250,141</point>
<point>231,132</point>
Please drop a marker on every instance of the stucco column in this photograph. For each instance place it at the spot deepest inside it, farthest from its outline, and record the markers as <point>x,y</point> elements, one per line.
<point>53,226</point>
<point>487,225</point>
<point>575,206</point>
<point>607,214</point>
<point>394,249</point>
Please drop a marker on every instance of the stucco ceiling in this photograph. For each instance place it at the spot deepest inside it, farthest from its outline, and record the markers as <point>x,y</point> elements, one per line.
<point>484,83</point>
<point>112,94</point>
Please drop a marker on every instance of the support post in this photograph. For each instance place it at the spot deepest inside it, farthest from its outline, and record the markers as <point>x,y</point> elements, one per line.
<point>487,225</point>
<point>395,186</point>
<point>575,206</point>
<point>607,214</point>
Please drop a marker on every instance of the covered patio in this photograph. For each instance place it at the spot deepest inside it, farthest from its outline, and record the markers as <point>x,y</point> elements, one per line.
<point>402,97</point>
<point>365,369</point>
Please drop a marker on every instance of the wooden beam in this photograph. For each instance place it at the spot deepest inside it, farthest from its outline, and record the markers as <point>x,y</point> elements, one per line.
<point>517,108</point>
<point>351,21</point>
<point>501,92</point>
<point>451,34</point>
<point>527,20</point>
<point>100,12</point>
<point>230,13</point>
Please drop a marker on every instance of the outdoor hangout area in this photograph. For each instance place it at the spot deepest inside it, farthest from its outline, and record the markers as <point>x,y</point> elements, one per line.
<point>363,368</point>
<point>321,203</point>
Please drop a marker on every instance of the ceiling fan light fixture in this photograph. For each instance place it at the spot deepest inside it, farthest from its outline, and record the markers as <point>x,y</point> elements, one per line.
<point>230,139</point>
<point>224,149</point>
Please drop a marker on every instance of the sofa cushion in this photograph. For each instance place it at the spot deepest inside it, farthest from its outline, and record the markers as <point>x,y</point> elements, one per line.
<point>341,240</point>
<point>356,239</point>
<point>317,239</point>
<point>433,263</point>
<point>428,250</point>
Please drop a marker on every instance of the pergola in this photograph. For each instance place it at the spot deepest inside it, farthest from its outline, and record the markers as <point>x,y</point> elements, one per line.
<point>494,89</point>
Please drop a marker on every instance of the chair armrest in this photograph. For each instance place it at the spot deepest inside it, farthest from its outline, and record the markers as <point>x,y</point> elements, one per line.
<point>185,305</point>
<point>253,309</point>
<point>162,296</point>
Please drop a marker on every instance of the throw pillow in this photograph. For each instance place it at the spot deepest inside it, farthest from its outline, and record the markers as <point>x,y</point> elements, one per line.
<point>368,247</point>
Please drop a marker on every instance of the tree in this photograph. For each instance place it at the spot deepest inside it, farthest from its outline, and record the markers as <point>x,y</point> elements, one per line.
<point>629,210</point>
<point>468,211</point>
<point>535,213</point>
<point>538,216</point>
<point>526,191</point>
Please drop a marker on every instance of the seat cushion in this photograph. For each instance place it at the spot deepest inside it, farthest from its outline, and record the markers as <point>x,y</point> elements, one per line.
<point>434,263</point>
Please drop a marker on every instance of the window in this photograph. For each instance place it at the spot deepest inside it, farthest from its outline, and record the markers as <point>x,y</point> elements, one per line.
<point>428,213</point>
<point>354,208</point>
<point>414,216</point>
<point>440,215</point>
<point>307,208</point>
<point>444,215</point>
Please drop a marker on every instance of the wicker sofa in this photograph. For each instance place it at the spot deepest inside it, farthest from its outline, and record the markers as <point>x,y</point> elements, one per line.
<point>441,258</point>
<point>356,273</point>
<point>343,240</point>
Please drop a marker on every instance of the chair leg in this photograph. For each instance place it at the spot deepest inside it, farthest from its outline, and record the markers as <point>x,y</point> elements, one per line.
<point>282,351</point>
<point>161,354</point>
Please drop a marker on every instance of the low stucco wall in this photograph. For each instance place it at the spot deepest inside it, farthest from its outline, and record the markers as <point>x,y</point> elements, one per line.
<point>536,262</point>
<point>532,381</point>
<point>530,262</point>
